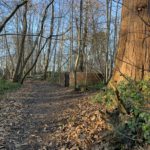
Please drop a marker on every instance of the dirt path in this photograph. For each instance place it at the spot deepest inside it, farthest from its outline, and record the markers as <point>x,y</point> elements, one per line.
<point>36,118</point>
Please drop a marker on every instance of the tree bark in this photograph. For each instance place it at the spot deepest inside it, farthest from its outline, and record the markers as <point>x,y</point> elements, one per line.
<point>17,76</point>
<point>133,54</point>
<point>50,43</point>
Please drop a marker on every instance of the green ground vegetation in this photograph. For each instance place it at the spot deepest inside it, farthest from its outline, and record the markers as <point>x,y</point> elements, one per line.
<point>7,86</point>
<point>133,127</point>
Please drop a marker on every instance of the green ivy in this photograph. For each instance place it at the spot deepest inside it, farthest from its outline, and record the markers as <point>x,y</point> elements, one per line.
<point>134,128</point>
<point>136,96</point>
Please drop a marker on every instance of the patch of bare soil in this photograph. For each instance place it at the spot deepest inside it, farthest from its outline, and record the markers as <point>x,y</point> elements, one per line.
<point>42,116</point>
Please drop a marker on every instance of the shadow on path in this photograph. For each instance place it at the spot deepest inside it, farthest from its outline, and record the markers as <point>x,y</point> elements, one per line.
<point>36,109</point>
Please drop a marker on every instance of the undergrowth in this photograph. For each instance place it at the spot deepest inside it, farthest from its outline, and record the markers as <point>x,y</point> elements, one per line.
<point>133,127</point>
<point>6,86</point>
<point>97,86</point>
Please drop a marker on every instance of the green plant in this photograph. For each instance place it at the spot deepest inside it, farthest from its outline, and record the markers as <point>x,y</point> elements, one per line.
<point>106,98</point>
<point>98,86</point>
<point>133,127</point>
<point>6,86</point>
<point>136,98</point>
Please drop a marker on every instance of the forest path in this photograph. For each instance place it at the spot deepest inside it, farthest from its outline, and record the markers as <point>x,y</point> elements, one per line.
<point>42,116</point>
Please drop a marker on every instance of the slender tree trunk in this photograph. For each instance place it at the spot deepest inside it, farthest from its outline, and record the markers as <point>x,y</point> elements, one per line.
<point>50,43</point>
<point>55,46</point>
<point>17,77</point>
<point>71,37</point>
<point>79,58</point>
<point>108,58</point>
<point>84,39</point>
<point>133,55</point>
<point>115,37</point>
<point>10,56</point>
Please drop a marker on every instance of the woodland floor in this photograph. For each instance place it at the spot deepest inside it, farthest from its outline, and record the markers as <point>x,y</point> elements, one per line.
<point>43,116</point>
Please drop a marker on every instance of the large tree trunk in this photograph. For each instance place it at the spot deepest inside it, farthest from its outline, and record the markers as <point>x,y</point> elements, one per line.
<point>133,55</point>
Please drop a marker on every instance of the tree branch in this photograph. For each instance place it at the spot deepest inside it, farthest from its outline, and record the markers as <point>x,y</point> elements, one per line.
<point>11,15</point>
